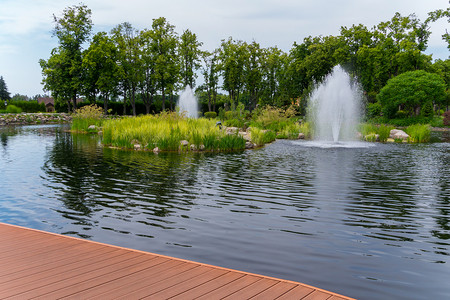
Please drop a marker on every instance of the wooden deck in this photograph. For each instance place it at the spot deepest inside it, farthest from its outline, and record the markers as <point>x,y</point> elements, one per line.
<point>42,265</point>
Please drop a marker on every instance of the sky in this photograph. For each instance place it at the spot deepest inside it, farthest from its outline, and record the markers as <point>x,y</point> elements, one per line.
<point>26,25</point>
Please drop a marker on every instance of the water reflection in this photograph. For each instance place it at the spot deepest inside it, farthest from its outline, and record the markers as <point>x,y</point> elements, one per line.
<point>366,222</point>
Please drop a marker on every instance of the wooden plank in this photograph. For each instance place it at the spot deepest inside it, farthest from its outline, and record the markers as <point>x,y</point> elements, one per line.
<point>41,265</point>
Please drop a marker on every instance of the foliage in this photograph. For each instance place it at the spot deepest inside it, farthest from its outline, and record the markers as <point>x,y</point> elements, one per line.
<point>12,109</point>
<point>62,72</point>
<point>86,116</point>
<point>30,106</point>
<point>210,114</point>
<point>373,110</point>
<point>427,109</point>
<point>166,131</point>
<point>369,132</point>
<point>410,91</point>
<point>4,94</point>
<point>261,137</point>
<point>150,66</point>
<point>419,133</point>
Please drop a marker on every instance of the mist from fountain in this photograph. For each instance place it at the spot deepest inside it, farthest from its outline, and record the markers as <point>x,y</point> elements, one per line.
<point>188,103</point>
<point>334,108</point>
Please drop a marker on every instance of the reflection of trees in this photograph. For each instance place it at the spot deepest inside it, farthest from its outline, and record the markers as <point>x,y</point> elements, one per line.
<point>5,134</point>
<point>125,185</point>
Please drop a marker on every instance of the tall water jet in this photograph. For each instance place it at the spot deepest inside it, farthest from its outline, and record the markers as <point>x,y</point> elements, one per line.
<point>188,103</point>
<point>334,107</point>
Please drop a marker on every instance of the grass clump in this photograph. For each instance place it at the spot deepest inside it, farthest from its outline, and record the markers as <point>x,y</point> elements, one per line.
<point>166,131</point>
<point>86,116</point>
<point>260,137</point>
<point>369,132</point>
<point>419,133</point>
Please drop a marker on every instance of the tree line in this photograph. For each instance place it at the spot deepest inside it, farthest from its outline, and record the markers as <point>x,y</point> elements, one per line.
<point>156,63</point>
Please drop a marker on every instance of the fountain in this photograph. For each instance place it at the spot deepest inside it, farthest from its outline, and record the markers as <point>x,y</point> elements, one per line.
<point>188,103</point>
<point>334,108</point>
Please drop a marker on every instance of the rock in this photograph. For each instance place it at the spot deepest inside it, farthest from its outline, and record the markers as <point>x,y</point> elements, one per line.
<point>301,136</point>
<point>372,137</point>
<point>398,134</point>
<point>231,130</point>
<point>137,147</point>
<point>184,143</point>
<point>202,147</point>
<point>193,147</point>
<point>245,135</point>
<point>92,127</point>
<point>359,135</point>
<point>156,150</point>
<point>249,145</point>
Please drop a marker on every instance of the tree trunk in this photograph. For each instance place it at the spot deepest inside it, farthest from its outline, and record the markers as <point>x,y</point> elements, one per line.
<point>105,103</point>
<point>125,102</point>
<point>133,102</point>
<point>163,107</point>
<point>209,100</point>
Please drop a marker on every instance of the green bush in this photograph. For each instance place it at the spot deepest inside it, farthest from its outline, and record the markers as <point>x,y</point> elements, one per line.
<point>30,106</point>
<point>261,137</point>
<point>12,109</point>
<point>373,110</point>
<point>410,90</point>
<point>427,109</point>
<point>418,133</point>
<point>210,114</point>
<point>86,116</point>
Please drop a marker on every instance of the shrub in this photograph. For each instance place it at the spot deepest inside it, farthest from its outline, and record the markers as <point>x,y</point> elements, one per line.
<point>12,109</point>
<point>261,137</point>
<point>384,132</point>
<point>373,110</point>
<point>30,106</point>
<point>419,133</point>
<point>410,89</point>
<point>210,114</point>
<point>86,116</point>
<point>427,109</point>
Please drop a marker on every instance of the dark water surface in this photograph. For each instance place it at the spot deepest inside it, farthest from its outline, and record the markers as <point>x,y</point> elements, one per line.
<point>370,223</point>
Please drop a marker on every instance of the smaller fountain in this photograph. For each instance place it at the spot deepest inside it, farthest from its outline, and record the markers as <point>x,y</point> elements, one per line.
<point>188,103</point>
<point>334,108</point>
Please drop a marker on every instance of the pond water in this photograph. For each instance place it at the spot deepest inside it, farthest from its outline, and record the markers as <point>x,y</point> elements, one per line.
<point>370,222</point>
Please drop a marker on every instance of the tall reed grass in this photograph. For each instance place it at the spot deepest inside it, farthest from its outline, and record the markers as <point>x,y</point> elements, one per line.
<point>419,133</point>
<point>166,131</point>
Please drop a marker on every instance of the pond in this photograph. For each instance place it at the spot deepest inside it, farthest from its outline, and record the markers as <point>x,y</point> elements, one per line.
<point>370,222</point>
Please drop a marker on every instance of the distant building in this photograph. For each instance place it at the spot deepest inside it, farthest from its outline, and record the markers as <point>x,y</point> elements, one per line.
<point>49,103</point>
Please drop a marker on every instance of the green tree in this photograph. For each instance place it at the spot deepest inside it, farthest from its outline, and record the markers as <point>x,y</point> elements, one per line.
<point>73,29</point>
<point>190,56</point>
<point>410,91</point>
<point>253,72</point>
<point>210,72</point>
<point>232,55</point>
<point>126,39</point>
<point>4,94</point>
<point>55,72</point>
<point>100,65</point>
<point>164,44</point>
<point>149,84</point>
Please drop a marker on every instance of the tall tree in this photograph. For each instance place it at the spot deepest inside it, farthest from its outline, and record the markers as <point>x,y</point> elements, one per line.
<point>148,85</point>
<point>101,68</point>
<point>210,73</point>
<point>189,52</point>
<point>164,44</point>
<point>127,41</point>
<point>4,94</point>
<point>232,59</point>
<point>253,72</point>
<point>73,29</point>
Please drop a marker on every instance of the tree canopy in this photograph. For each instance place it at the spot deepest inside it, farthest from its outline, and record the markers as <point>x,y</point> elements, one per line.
<point>154,64</point>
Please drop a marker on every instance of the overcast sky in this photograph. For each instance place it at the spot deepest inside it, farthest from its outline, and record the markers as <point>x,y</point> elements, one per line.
<point>26,25</point>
